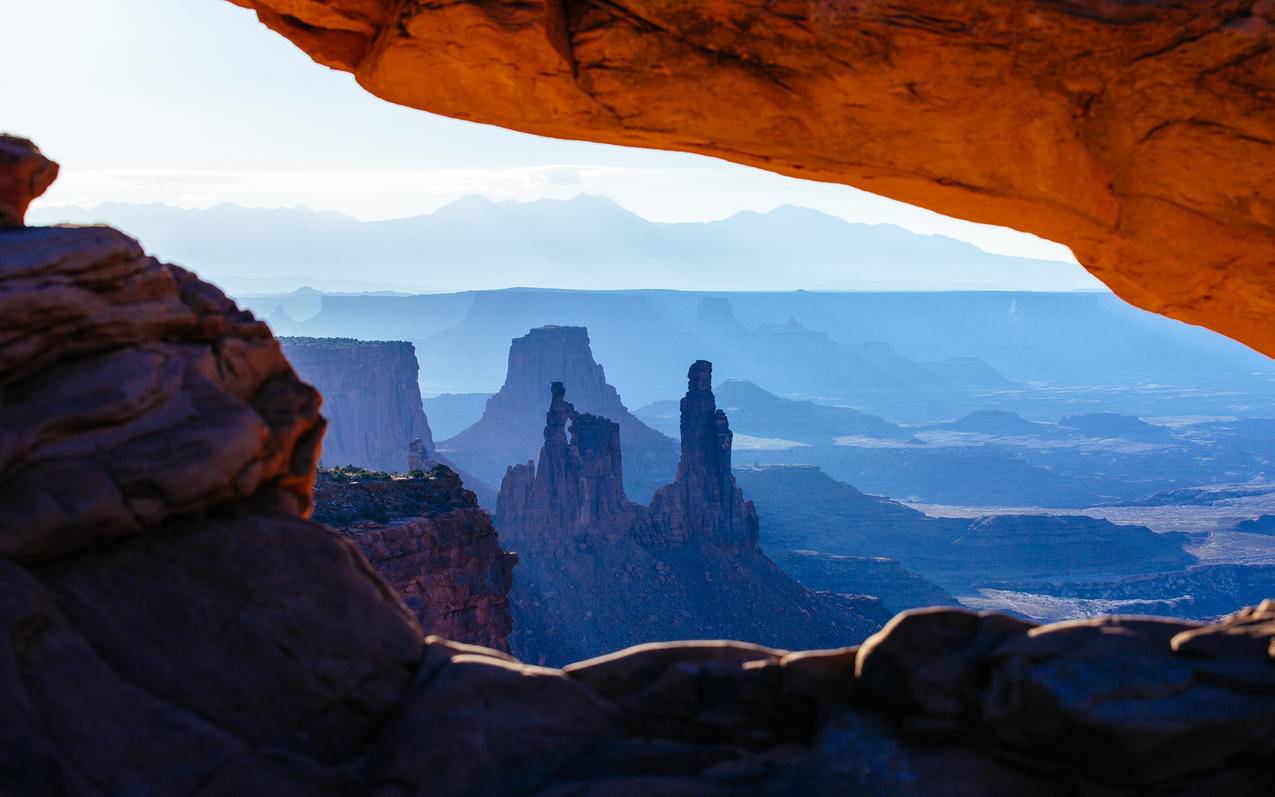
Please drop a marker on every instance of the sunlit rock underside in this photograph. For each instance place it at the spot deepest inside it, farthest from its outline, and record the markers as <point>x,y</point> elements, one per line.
<point>1139,134</point>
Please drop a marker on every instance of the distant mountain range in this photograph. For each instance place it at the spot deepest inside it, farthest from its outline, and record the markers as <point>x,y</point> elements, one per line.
<point>585,242</point>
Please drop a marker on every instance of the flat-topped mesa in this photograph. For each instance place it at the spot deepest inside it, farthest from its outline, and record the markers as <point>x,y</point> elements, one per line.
<point>554,354</point>
<point>508,431</point>
<point>703,500</point>
<point>576,491</point>
<point>371,398</point>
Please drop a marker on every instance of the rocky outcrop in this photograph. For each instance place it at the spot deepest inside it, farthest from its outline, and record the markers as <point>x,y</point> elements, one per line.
<point>1139,135</point>
<point>703,501</point>
<point>576,495</point>
<point>170,623</point>
<point>508,431</point>
<point>370,396</point>
<point>941,701</point>
<point>427,538</point>
<point>24,175</point>
<point>599,572</point>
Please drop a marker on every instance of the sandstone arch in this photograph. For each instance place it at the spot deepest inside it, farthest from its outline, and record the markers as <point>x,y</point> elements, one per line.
<point>1141,135</point>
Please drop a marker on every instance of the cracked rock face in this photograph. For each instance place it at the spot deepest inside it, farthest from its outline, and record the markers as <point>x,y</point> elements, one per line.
<point>1140,135</point>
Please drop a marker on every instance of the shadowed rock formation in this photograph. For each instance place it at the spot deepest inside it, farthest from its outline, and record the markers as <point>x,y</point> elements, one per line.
<point>427,538</point>
<point>1140,135</point>
<point>370,397</point>
<point>170,623</point>
<point>508,431</point>
<point>897,587</point>
<point>806,510</point>
<point>599,573</point>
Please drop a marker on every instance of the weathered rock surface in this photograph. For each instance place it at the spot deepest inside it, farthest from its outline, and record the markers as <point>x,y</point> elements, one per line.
<point>371,398</point>
<point>427,538</point>
<point>941,701</point>
<point>134,393</point>
<point>1139,135</point>
<point>598,572</point>
<point>170,623</point>
<point>509,430</point>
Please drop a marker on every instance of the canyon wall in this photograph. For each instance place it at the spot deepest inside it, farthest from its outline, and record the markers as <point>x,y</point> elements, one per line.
<point>1140,135</point>
<point>598,573</point>
<point>427,538</point>
<point>370,397</point>
<point>509,430</point>
<point>172,622</point>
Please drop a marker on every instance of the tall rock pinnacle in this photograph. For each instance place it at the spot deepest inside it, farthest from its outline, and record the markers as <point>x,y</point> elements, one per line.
<point>703,500</point>
<point>598,573</point>
<point>576,492</point>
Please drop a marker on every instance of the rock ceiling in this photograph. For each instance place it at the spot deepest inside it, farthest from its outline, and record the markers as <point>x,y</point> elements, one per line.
<point>1139,134</point>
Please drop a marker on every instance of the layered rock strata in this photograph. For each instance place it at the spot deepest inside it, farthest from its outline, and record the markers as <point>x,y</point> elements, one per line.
<point>508,432</point>
<point>599,572</point>
<point>171,623</point>
<point>371,398</point>
<point>1140,135</point>
<point>427,538</point>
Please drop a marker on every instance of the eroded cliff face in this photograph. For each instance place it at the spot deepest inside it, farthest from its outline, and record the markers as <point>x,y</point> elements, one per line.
<point>599,573</point>
<point>371,398</point>
<point>1140,135</point>
<point>509,431</point>
<point>427,538</point>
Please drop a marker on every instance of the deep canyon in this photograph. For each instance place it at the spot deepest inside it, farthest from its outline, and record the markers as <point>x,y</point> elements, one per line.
<point>194,601</point>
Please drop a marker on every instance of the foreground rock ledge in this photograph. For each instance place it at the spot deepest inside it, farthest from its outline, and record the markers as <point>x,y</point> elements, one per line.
<point>1141,135</point>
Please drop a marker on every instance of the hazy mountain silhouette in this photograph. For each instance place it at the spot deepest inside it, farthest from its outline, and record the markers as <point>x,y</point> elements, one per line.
<point>585,242</point>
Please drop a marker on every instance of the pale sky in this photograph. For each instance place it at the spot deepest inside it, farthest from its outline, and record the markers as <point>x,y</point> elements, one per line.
<point>193,102</point>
